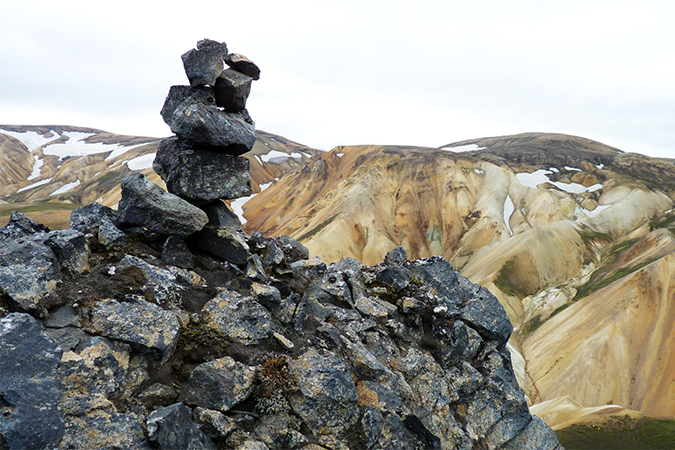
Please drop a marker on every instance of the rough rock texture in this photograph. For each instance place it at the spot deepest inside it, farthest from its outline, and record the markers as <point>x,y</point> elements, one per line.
<point>243,65</point>
<point>205,63</point>
<point>288,353</point>
<point>201,175</point>
<point>29,391</point>
<point>146,204</point>
<point>193,115</point>
<point>231,90</point>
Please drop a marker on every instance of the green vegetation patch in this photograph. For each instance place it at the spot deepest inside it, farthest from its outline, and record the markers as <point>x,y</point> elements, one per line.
<point>662,222</point>
<point>316,229</point>
<point>594,285</point>
<point>532,325</point>
<point>36,207</point>
<point>590,235</point>
<point>622,246</point>
<point>503,280</point>
<point>620,433</point>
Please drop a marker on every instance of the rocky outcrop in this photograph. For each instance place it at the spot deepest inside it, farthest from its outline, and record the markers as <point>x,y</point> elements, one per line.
<point>289,353</point>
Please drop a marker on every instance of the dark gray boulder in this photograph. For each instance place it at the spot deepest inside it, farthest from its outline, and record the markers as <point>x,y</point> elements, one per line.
<point>231,90</point>
<point>146,204</point>
<point>90,216</point>
<point>193,115</point>
<point>175,252</point>
<point>20,225</point>
<point>240,319</point>
<point>204,64</point>
<point>327,399</point>
<point>108,233</point>
<point>244,65</point>
<point>223,242</point>
<point>29,391</point>
<point>220,215</point>
<point>28,271</point>
<point>396,256</point>
<point>137,322</point>
<point>394,277</point>
<point>71,249</point>
<point>219,384</point>
<point>201,175</point>
<point>171,427</point>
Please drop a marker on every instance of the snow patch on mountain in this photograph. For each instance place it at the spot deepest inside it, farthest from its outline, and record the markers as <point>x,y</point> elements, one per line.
<point>31,139</point>
<point>66,187</point>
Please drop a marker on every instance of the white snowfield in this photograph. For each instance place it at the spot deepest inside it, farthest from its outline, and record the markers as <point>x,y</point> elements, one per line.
<point>75,145</point>
<point>534,179</point>
<point>34,185</point>
<point>141,162</point>
<point>237,205</point>
<point>464,148</point>
<point>277,157</point>
<point>66,187</point>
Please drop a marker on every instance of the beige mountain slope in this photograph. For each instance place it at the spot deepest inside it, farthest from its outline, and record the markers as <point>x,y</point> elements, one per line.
<point>46,171</point>
<point>576,239</point>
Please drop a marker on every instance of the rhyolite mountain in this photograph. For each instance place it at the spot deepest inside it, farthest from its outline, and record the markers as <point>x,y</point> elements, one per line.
<point>48,171</point>
<point>575,238</point>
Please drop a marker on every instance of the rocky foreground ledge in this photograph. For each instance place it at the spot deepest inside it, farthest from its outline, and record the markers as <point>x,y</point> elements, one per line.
<point>123,338</point>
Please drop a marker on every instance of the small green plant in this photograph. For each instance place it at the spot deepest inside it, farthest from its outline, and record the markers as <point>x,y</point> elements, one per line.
<point>503,280</point>
<point>594,285</point>
<point>316,229</point>
<point>620,433</point>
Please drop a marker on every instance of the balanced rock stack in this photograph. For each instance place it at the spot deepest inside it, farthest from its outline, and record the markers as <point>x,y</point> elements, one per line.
<point>201,163</point>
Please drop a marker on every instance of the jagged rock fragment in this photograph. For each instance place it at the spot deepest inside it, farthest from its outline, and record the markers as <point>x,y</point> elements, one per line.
<point>171,427</point>
<point>244,65</point>
<point>137,322</point>
<point>223,242</point>
<point>28,270</point>
<point>220,215</point>
<point>241,319</point>
<point>176,253</point>
<point>146,204</point>
<point>219,384</point>
<point>90,216</point>
<point>396,256</point>
<point>20,225</point>
<point>201,175</point>
<point>103,429</point>
<point>108,233</point>
<point>327,400</point>
<point>231,90</point>
<point>192,114</point>
<point>29,391</point>
<point>71,249</point>
<point>205,63</point>
<point>394,277</point>
<point>213,423</point>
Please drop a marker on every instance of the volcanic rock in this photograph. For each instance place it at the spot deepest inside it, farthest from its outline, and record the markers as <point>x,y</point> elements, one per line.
<point>91,216</point>
<point>244,65</point>
<point>232,89</point>
<point>146,204</point>
<point>201,175</point>
<point>193,115</point>
<point>205,63</point>
<point>172,427</point>
<point>70,248</point>
<point>223,242</point>
<point>29,390</point>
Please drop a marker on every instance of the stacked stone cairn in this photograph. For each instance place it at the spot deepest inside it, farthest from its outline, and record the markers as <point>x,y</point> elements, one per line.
<point>162,326</point>
<point>201,165</point>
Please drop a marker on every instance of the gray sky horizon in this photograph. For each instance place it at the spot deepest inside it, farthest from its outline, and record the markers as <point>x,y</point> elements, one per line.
<point>347,72</point>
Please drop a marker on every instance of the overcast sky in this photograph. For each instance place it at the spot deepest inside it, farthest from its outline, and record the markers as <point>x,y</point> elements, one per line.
<point>334,73</point>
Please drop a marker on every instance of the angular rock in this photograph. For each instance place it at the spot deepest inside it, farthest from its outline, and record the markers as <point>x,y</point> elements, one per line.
<point>90,216</point>
<point>395,277</point>
<point>172,427</point>
<point>146,204</point>
<point>108,233</point>
<point>200,175</point>
<point>231,90</point>
<point>213,423</point>
<point>28,271</point>
<point>396,256</point>
<point>138,323</point>
<point>225,243</point>
<point>29,392</point>
<point>205,63</point>
<point>192,114</point>
<point>292,249</point>
<point>438,276</point>
<point>327,401</point>
<point>220,215</point>
<point>241,319</point>
<point>20,225</point>
<point>244,65</point>
<point>101,429</point>
<point>484,312</point>
<point>535,435</point>
<point>157,394</point>
<point>219,384</point>
<point>71,249</point>
<point>160,283</point>
<point>175,252</point>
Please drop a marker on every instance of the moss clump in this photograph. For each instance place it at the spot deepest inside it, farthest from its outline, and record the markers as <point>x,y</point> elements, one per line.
<point>594,285</point>
<point>622,246</point>
<point>620,433</point>
<point>275,382</point>
<point>532,325</point>
<point>316,229</point>
<point>503,280</point>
